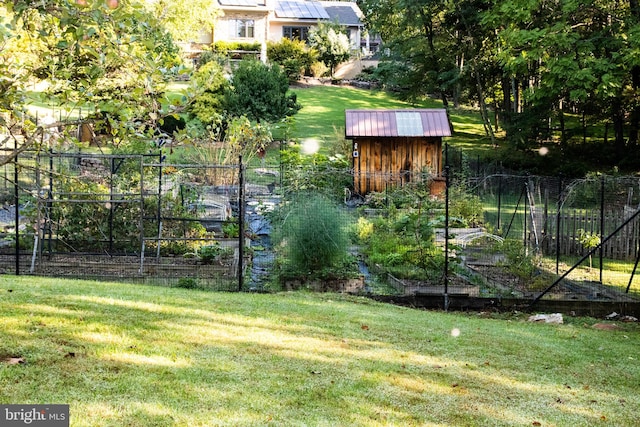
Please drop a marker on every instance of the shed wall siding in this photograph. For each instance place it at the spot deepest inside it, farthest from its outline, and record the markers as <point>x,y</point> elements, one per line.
<point>384,162</point>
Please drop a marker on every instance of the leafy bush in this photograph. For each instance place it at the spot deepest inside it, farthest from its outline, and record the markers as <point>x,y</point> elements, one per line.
<point>329,175</point>
<point>223,47</point>
<point>231,230</point>
<point>364,228</point>
<point>403,244</point>
<point>210,253</point>
<point>518,261</point>
<point>187,283</point>
<point>464,206</point>
<point>212,84</point>
<point>293,55</point>
<point>259,92</point>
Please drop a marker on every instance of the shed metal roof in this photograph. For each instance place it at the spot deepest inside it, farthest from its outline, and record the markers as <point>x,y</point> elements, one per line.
<point>301,10</point>
<point>391,123</point>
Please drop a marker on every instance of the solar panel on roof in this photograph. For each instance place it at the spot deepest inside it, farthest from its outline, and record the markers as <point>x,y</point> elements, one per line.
<point>409,123</point>
<point>300,9</point>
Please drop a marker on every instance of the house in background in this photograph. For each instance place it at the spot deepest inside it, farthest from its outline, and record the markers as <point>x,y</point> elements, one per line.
<point>262,21</point>
<point>395,147</point>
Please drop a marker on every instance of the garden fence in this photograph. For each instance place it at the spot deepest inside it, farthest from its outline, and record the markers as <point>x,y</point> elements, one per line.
<point>123,217</point>
<point>140,218</point>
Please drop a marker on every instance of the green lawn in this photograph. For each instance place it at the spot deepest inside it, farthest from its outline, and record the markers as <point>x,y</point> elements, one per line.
<point>323,107</point>
<point>131,355</point>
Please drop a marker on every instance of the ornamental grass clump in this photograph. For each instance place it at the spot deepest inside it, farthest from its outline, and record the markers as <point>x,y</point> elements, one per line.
<point>312,238</point>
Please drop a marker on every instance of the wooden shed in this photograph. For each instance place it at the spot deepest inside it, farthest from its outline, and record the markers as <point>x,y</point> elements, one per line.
<point>394,147</point>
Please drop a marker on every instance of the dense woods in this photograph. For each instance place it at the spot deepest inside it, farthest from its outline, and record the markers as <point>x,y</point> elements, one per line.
<point>561,73</point>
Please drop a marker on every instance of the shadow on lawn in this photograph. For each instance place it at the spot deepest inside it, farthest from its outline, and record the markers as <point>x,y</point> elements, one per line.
<point>167,359</point>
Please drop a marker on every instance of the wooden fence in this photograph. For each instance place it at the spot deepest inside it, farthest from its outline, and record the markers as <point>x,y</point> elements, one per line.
<point>623,246</point>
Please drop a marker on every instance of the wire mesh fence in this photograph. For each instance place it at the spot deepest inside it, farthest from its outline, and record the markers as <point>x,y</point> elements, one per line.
<point>123,217</point>
<point>271,225</point>
<point>583,235</point>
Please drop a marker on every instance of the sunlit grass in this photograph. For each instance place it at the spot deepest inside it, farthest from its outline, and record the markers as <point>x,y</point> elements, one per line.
<point>136,355</point>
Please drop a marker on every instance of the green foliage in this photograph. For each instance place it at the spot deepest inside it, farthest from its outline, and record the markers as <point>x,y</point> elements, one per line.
<point>225,47</point>
<point>210,253</point>
<point>331,43</point>
<point>208,105</point>
<point>320,173</point>
<point>91,55</point>
<point>518,261</point>
<point>364,228</point>
<point>402,243</point>
<point>259,92</point>
<point>246,138</point>
<point>185,19</point>
<point>187,283</point>
<point>210,55</point>
<point>389,74</point>
<point>293,55</point>
<point>88,226</point>
<point>231,230</point>
<point>312,236</point>
<point>589,240</point>
<point>465,206</point>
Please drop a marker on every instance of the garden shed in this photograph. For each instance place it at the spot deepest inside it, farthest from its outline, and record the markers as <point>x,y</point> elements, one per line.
<point>394,147</point>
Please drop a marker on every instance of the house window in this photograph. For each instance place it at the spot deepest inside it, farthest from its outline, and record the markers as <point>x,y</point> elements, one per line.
<point>296,33</point>
<point>243,28</point>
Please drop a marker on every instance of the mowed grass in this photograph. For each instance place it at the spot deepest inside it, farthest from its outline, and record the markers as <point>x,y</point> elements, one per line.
<point>132,355</point>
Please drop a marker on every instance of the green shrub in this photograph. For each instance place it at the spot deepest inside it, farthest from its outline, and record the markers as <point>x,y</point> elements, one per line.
<point>464,206</point>
<point>293,55</point>
<point>260,92</point>
<point>403,244</point>
<point>518,261</point>
<point>210,253</point>
<point>231,230</point>
<point>187,283</point>
<point>223,47</point>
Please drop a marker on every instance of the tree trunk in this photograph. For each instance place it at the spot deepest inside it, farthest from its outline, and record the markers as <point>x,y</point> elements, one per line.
<point>617,117</point>
<point>634,116</point>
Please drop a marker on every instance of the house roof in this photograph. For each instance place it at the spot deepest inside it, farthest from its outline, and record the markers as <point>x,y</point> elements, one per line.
<point>300,10</point>
<point>346,13</point>
<point>393,123</point>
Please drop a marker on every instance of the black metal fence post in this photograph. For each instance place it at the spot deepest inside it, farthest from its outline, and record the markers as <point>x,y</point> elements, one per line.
<point>240,224</point>
<point>16,198</point>
<point>601,253</point>
<point>446,227</point>
<point>499,200</point>
<point>559,206</point>
<point>526,201</point>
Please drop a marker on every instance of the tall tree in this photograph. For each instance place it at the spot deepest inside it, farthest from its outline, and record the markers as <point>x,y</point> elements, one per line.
<point>185,20</point>
<point>414,32</point>
<point>331,43</point>
<point>109,55</point>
